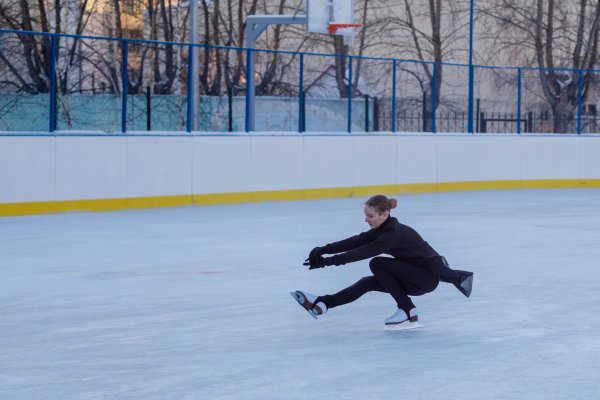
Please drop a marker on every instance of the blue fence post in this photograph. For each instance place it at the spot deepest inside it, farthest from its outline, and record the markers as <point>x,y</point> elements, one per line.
<point>301,96</point>
<point>471,69</point>
<point>190,91</point>
<point>471,98</point>
<point>125,79</point>
<point>519,101</point>
<point>248,72</point>
<point>433,102</point>
<point>52,88</point>
<point>579,99</point>
<point>350,94</point>
<point>393,96</point>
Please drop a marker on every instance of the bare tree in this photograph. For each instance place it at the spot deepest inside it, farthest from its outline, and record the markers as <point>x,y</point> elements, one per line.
<point>211,61</point>
<point>561,39</point>
<point>430,32</point>
<point>224,23</point>
<point>30,67</point>
<point>268,84</point>
<point>235,36</point>
<point>163,27</point>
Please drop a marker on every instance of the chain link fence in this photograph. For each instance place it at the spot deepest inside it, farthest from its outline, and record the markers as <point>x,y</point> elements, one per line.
<point>52,82</point>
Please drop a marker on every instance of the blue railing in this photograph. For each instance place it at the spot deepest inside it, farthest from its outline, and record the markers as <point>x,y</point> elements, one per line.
<point>55,82</point>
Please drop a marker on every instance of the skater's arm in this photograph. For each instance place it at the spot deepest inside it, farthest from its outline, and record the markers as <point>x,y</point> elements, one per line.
<point>383,244</point>
<point>350,243</point>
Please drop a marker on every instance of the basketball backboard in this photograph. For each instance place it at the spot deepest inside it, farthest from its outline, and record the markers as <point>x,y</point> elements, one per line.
<point>320,13</point>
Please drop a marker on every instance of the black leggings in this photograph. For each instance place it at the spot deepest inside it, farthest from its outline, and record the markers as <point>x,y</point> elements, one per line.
<point>389,276</point>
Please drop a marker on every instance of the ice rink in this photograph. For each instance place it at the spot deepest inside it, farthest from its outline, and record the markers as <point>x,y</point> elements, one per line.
<point>193,303</point>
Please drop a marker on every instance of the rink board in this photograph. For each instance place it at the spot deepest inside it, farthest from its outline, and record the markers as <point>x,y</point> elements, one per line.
<point>55,173</point>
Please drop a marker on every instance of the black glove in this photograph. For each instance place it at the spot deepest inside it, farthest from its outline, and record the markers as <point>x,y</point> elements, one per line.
<point>315,254</point>
<point>319,262</point>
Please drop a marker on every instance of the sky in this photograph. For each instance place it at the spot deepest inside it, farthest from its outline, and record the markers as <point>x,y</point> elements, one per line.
<point>193,303</point>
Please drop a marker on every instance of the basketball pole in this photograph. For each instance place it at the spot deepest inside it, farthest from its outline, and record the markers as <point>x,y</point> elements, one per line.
<point>255,26</point>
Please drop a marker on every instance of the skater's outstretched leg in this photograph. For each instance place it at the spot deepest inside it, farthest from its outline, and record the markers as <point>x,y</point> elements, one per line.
<point>318,305</point>
<point>353,292</point>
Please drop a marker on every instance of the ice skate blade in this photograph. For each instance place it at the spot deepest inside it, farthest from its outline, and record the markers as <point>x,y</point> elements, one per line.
<point>403,326</point>
<point>299,297</point>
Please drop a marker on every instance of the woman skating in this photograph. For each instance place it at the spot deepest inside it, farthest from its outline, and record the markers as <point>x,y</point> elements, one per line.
<point>413,269</point>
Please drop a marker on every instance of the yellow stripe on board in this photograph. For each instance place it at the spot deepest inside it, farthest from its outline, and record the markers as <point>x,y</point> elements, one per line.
<point>47,207</point>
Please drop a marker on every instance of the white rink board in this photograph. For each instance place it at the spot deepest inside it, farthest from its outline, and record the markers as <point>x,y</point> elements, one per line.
<point>157,167</point>
<point>553,159</point>
<point>589,158</point>
<point>276,163</point>
<point>50,168</point>
<point>375,161</point>
<point>220,156</point>
<point>27,169</point>
<point>322,166</point>
<point>91,167</point>
<point>479,158</point>
<point>417,161</point>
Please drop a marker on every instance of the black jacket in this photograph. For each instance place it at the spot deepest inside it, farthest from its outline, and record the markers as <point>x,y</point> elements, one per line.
<point>393,238</point>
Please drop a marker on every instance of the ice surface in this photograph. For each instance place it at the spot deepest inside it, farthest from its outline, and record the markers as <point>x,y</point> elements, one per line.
<point>193,303</point>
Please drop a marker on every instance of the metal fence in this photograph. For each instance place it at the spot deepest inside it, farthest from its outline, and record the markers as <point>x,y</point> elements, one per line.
<point>57,82</point>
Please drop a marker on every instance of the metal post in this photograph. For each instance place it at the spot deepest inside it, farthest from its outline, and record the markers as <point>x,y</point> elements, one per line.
<point>393,96</point>
<point>230,108</point>
<point>376,127</point>
<point>303,105</point>
<point>249,89</point>
<point>189,123</point>
<point>366,113</point>
<point>193,54</point>
<point>471,70</point>
<point>255,25</point>
<point>424,111</point>
<point>519,101</point>
<point>349,94</point>
<point>148,109</point>
<point>433,102</point>
<point>301,96</point>
<point>124,84</point>
<point>52,88</point>
<point>579,99</point>
<point>478,105</point>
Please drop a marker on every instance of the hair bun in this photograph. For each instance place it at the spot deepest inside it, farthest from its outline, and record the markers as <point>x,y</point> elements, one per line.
<point>381,203</point>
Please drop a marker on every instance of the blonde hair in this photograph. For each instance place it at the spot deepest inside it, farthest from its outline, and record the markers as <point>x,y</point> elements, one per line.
<point>381,203</point>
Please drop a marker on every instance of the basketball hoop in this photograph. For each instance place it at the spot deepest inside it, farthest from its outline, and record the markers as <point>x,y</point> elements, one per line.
<point>348,31</point>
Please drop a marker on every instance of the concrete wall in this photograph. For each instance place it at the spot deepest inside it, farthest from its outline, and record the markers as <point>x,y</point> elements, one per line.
<point>46,173</point>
